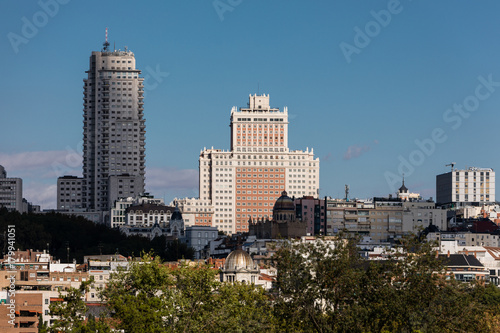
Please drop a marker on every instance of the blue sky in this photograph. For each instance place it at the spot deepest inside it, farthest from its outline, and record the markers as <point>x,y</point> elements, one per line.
<point>370,85</point>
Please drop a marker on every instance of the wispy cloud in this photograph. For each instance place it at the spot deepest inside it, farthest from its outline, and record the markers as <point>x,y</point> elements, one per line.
<point>41,194</point>
<point>355,151</point>
<point>171,178</point>
<point>170,183</point>
<point>42,164</point>
<point>327,157</point>
<point>40,169</point>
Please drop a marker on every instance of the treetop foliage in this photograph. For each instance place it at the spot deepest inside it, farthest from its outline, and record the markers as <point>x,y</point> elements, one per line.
<point>35,231</point>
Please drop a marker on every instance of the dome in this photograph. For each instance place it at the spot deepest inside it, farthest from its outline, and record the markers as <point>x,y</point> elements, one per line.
<point>284,203</point>
<point>238,259</point>
<point>176,215</point>
<point>403,189</point>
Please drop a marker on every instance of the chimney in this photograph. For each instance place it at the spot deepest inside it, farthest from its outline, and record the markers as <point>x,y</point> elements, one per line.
<point>448,254</point>
<point>437,254</point>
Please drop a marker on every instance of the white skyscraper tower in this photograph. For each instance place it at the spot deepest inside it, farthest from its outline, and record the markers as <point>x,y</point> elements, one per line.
<point>113,129</point>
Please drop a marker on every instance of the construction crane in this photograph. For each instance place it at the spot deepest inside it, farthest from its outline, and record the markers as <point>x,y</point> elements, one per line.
<point>452,164</point>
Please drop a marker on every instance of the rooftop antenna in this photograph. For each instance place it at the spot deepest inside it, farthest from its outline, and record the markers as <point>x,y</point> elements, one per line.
<point>106,43</point>
<point>258,88</point>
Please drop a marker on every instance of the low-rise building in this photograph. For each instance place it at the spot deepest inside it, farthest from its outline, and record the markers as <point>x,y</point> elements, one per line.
<point>195,211</point>
<point>199,237</point>
<point>284,224</point>
<point>380,218</point>
<point>418,215</point>
<point>172,225</point>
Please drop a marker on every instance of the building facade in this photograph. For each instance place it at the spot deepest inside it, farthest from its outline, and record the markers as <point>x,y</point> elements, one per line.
<point>418,215</point>
<point>471,187</point>
<point>312,212</point>
<point>113,130</point>
<point>142,210</point>
<point>284,224</point>
<point>245,181</point>
<point>11,192</point>
<point>380,218</point>
<point>69,193</point>
<point>195,211</point>
<point>198,237</point>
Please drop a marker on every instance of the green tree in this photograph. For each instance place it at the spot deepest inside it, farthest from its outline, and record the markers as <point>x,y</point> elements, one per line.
<point>152,297</point>
<point>327,287</point>
<point>177,250</point>
<point>71,313</point>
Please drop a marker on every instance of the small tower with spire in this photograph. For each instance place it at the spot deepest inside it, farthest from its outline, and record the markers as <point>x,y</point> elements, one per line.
<point>403,192</point>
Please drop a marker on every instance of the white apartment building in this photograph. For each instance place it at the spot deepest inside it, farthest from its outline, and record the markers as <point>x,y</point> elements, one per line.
<point>245,181</point>
<point>195,211</point>
<point>471,187</point>
<point>119,217</point>
<point>113,129</point>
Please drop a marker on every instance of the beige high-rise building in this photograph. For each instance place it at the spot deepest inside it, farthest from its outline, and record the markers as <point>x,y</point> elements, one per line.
<point>113,130</point>
<point>471,187</point>
<point>245,181</point>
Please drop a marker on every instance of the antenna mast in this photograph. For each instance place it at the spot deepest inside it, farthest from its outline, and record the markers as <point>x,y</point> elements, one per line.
<point>106,43</point>
<point>452,164</point>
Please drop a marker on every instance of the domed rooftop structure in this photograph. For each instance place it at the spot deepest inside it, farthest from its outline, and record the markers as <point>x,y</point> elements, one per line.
<point>284,209</point>
<point>238,259</point>
<point>284,203</point>
<point>403,188</point>
<point>176,215</point>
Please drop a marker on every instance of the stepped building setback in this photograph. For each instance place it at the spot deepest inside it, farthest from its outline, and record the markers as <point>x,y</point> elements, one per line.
<point>245,181</point>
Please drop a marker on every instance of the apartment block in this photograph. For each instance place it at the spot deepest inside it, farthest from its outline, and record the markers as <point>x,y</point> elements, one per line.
<point>380,218</point>
<point>69,193</point>
<point>418,215</point>
<point>195,211</point>
<point>470,187</point>
<point>312,212</point>
<point>11,192</point>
